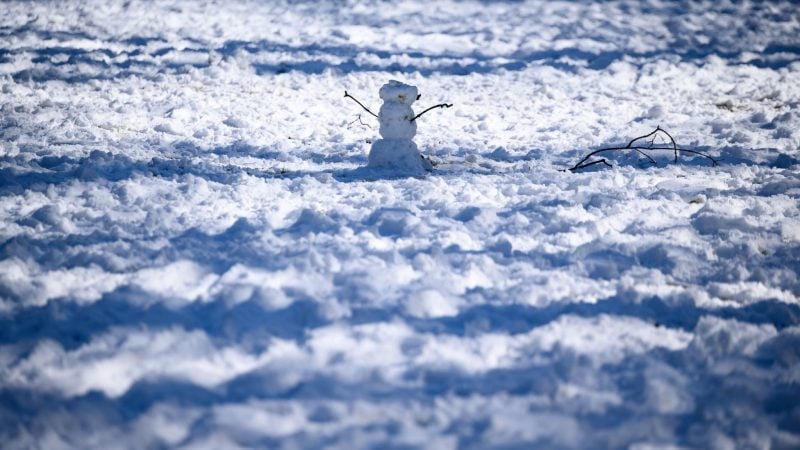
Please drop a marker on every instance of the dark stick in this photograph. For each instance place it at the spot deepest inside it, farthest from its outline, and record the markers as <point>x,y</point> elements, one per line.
<point>674,145</point>
<point>654,133</point>
<point>581,165</point>
<point>346,95</point>
<point>640,149</point>
<point>642,137</point>
<point>599,161</point>
<point>442,105</point>
<point>358,119</point>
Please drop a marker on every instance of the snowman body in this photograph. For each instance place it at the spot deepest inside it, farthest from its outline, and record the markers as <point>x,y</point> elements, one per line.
<point>396,149</point>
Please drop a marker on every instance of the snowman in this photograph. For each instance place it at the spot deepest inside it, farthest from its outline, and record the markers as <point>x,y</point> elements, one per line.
<point>396,150</point>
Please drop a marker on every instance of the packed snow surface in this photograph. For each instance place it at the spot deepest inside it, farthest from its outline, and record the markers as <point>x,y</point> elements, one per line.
<point>192,254</point>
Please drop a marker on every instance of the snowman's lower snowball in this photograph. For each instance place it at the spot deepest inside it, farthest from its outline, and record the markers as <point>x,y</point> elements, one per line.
<point>400,155</point>
<point>397,151</point>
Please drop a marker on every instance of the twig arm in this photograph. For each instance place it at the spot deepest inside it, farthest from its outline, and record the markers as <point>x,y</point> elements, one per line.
<point>346,95</point>
<point>441,105</point>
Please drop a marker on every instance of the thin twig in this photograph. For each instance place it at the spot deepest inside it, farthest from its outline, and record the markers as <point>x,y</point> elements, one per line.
<point>652,133</point>
<point>358,119</point>
<point>674,145</point>
<point>599,161</point>
<point>346,95</point>
<point>649,158</point>
<point>441,105</point>
<point>582,164</point>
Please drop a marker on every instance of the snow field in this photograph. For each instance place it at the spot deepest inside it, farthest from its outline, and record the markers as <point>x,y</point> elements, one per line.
<point>192,256</point>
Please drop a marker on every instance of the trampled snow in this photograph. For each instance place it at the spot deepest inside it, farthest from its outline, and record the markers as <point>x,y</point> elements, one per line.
<point>193,255</point>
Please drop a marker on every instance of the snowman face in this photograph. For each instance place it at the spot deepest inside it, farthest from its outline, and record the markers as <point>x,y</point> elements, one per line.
<point>397,92</point>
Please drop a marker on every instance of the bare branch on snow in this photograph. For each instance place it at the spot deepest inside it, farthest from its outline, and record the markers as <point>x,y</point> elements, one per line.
<point>641,149</point>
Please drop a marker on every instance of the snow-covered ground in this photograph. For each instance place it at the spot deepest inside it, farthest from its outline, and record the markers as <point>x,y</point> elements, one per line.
<point>191,255</point>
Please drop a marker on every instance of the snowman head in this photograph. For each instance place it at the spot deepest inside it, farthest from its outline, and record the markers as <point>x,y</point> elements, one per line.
<point>395,91</point>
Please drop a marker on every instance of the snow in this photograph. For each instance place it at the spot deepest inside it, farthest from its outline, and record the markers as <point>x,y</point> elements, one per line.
<point>195,253</point>
<point>395,119</point>
<point>398,92</point>
<point>397,156</point>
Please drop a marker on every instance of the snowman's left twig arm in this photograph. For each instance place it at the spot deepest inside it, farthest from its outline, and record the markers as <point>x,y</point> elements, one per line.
<point>346,95</point>
<point>442,105</point>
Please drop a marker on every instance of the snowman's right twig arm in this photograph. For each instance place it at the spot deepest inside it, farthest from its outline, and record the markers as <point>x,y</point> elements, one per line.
<point>346,95</point>
<point>442,105</point>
